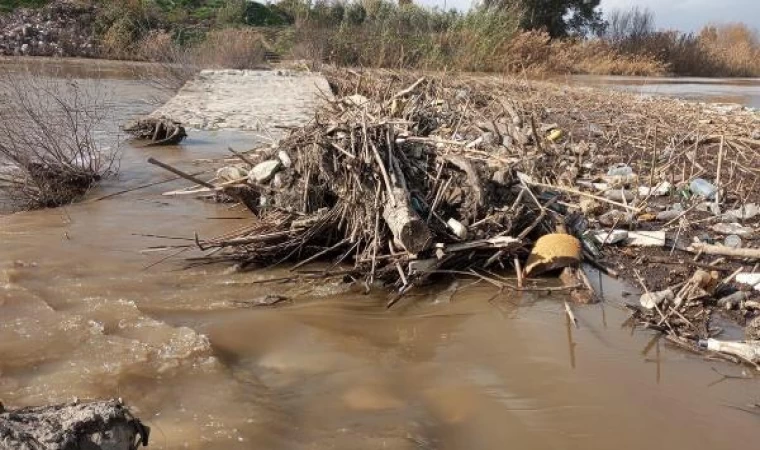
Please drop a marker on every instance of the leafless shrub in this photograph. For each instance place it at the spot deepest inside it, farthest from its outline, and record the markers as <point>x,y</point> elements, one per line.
<point>49,155</point>
<point>229,48</point>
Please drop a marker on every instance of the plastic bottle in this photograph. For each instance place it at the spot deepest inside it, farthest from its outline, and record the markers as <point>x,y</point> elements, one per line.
<point>620,170</point>
<point>733,241</point>
<point>702,187</point>
<point>749,351</point>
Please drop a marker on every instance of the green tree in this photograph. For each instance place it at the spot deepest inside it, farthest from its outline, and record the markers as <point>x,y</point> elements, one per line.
<point>559,18</point>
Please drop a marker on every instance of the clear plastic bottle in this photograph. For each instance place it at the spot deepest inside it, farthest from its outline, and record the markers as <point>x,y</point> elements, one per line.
<point>702,187</point>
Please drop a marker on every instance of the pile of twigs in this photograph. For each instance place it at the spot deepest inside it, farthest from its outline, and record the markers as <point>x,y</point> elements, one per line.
<point>401,176</point>
<point>400,182</point>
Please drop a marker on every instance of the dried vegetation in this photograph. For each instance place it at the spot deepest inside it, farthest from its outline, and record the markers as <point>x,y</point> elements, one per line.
<point>49,155</point>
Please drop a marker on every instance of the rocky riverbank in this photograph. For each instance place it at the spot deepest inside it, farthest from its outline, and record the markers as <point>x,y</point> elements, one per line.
<point>63,28</point>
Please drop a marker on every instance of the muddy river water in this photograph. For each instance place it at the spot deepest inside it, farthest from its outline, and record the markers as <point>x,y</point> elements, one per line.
<point>85,313</point>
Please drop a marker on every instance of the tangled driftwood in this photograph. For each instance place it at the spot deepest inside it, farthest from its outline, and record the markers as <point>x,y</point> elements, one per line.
<point>159,131</point>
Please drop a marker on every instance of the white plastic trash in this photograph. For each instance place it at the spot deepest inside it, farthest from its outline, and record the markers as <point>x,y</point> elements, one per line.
<point>611,237</point>
<point>646,239</point>
<point>752,279</point>
<point>457,228</point>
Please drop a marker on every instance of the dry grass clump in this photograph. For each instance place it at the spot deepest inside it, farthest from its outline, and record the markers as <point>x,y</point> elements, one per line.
<point>717,50</point>
<point>229,48</point>
<point>48,152</point>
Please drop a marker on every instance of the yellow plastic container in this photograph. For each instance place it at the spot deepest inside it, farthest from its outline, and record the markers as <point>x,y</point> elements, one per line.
<point>553,252</point>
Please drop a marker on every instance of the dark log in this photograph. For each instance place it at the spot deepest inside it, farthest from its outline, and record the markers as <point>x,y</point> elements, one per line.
<point>103,425</point>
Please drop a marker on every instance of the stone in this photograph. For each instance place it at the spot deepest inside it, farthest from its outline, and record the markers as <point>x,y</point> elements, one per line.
<point>231,173</point>
<point>264,171</point>
<point>285,159</point>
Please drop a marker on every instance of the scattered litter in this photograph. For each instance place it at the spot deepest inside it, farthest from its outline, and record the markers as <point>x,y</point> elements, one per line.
<point>703,188</point>
<point>733,228</point>
<point>751,279</point>
<point>746,212</point>
<point>553,252</point>
<point>611,237</point>
<point>646,239</point>
<point>748,351</point>
<point>651,299</point>
<point>732,241</point>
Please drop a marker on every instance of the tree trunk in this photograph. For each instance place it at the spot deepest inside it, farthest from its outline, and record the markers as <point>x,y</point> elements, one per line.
<point>103,425</point>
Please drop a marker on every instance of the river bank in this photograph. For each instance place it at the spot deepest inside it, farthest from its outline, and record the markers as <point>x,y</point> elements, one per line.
<point>91,308</point>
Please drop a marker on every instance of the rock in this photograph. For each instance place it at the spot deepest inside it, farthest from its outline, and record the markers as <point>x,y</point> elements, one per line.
<point>733,228</point>
<point>264,171</point>
<point>104,425</point>
<point>285,159</point>
<point>231,173</point>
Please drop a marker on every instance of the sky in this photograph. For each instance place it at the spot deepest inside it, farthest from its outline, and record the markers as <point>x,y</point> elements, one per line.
<point>685,15</point>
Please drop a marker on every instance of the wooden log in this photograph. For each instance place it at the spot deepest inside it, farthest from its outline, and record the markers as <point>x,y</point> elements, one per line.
<point>103,425</point>
<point>408,229</point>
<point>720,250</point>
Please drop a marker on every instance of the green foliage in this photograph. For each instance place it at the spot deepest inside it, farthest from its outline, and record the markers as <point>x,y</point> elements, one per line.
<point>232,12</point>
<point>10,5</point>
<point>560,18</point>
<point>257,14</point>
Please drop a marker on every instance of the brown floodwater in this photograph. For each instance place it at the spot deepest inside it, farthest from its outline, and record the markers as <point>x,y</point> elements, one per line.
<point>86,313</point>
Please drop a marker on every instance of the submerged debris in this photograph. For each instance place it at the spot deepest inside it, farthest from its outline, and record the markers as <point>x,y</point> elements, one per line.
<point>159,131</point>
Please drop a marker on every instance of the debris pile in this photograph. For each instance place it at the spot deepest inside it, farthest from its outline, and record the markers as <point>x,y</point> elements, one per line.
<point>159,131</point>
<point>62,28</point>
<point>400,177</point>
<point>390,183</point>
